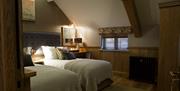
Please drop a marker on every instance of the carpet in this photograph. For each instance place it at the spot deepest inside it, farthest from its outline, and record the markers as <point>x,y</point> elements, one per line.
<point>124,84</point>
<point>123,88</point>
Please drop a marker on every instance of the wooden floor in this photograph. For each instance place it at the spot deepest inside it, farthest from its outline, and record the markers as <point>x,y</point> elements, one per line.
<point>124,84</point>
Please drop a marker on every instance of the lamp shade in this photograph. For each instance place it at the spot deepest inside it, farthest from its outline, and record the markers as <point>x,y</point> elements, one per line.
<point>77,40</point>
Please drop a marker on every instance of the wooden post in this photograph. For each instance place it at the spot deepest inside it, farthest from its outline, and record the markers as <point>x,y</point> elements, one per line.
<point>11,69</point>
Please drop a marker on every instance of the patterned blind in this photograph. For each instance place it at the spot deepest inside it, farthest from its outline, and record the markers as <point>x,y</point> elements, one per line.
<point>115,31</point>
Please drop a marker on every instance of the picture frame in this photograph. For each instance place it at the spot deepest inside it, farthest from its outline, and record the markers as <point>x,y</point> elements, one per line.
<point>28,10</point>
<point>68,36</point>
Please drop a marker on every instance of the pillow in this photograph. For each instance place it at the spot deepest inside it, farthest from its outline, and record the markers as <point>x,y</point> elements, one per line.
<point>68,56</point>
<point>71,55</point>
<point>64,49</point>
<point>49,52</point>
<point>39,51</point>
<point>59,54</point>
<point>27,60</point>
<point>27,50</point>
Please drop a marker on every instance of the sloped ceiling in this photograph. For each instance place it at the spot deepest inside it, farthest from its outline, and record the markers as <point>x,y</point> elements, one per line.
<point>89,15</point>
<point>101,12</point>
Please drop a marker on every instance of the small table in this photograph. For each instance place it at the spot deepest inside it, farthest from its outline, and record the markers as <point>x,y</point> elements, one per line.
<point>40,61</point>
<point>27,75</point>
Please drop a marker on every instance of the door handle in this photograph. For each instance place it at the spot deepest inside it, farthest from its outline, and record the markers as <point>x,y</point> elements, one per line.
<point>175,80</point>
<point>174,73</point>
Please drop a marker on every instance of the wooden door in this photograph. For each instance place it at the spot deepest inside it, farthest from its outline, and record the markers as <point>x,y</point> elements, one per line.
<point>11,70</point>
<point>169,44</point>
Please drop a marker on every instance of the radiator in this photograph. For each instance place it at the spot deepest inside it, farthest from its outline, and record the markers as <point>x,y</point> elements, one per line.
<point>143,69</point>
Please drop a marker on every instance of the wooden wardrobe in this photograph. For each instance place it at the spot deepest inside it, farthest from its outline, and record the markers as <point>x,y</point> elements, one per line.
<point>169,44</point>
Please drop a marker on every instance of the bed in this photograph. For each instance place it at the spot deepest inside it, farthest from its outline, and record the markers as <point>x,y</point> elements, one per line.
<point>53,79</point>
<point>91,72</point>
<point>94,75</point>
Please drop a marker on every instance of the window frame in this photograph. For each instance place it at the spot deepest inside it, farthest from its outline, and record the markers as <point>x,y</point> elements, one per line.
<point>103,43</point>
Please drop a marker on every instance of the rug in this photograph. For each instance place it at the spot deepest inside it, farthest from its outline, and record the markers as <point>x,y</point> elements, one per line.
<point>124,84</point>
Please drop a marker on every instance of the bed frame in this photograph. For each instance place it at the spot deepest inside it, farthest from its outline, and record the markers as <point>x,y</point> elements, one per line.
<point>37,39</point>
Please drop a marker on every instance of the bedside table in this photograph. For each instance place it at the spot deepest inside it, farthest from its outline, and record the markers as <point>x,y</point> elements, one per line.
<point>82,54</point>
<point>41,61</point>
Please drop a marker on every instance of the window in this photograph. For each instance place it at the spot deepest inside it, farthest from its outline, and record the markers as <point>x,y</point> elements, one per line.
<point>109,43</point>
<point>122,43</point>
<point>114,43</point>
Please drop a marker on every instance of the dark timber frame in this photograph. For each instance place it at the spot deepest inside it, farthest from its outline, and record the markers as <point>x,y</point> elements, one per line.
<point>11,69</point>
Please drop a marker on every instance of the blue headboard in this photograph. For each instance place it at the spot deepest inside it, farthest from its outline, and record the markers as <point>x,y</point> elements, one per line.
<point>37,39</point>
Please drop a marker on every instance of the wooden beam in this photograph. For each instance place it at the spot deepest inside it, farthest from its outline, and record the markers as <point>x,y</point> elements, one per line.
<point>11,71</point>
<point>132,14</point>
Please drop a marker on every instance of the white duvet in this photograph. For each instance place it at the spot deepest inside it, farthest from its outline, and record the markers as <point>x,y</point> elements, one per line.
<point>53,79</point>
<point>91,72</point>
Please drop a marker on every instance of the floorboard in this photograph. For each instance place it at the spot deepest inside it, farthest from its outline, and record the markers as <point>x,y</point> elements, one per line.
<point>124,84</point>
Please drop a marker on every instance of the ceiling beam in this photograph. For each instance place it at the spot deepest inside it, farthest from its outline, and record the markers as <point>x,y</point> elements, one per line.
<point>132,14</point>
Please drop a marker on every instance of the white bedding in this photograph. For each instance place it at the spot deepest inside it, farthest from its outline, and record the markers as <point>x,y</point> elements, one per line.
<point>53,79</point>
<point>91,72</point>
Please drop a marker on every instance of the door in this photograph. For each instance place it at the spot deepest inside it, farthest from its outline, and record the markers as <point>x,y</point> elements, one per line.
<point>169,46</point>
<point>11,70</point>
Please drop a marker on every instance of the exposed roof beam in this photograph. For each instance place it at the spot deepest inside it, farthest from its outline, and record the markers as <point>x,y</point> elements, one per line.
<point>132,14</point>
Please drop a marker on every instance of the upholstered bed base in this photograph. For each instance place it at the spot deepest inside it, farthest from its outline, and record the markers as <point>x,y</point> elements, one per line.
<point>38,39</point>
<point>104,84</point>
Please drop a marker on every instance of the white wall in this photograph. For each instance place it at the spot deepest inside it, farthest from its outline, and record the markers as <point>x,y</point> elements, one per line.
<point>148,12</point>
<point>150,38</point>
<point>89,15</point>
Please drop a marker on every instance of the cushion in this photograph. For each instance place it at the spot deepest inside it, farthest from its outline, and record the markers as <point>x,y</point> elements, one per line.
<point>39,51</point>
<point>64,49</point>
<point>71,55</point>
<point>49,52</point>
<point>27,50</point>
<point>68,55</point>
<point>27,60</point>
<point>59,54</point>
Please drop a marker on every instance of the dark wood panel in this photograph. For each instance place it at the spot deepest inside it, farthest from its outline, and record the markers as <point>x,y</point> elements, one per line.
<point>95,53</point>
<point>1,62</point>
<point>10,66</point>
<point>144,51</point>
<point>120,59</point>
<point>169,35</point>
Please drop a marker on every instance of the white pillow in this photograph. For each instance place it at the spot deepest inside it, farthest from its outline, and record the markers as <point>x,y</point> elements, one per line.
<point>49,52</point>
<point>39,51</point>
<point>27,50</point>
